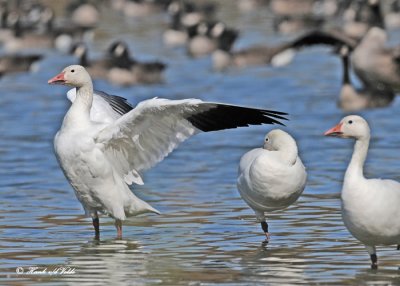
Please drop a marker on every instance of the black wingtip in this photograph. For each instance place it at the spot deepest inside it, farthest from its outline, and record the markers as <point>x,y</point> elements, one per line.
<point>221,116</point>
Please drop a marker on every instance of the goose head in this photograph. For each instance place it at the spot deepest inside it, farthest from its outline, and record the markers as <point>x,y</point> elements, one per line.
<point>352,126</point>
<point>344,51</point>
<point>74,75</point>
<point>119,50</point>
<point>278,139</point>
<point>79,50</point>
<point>174,8</point>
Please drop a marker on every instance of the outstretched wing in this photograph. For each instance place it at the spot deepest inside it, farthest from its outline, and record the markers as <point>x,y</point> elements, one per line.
<point>146,135</point>
<point>331,38</point>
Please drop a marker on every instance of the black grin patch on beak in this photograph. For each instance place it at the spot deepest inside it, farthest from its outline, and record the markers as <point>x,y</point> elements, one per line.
<point>59,82</point>
<point>336,134</point>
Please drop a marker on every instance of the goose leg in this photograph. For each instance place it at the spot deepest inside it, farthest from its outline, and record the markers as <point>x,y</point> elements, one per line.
<point>96,225</point>
<point>374,258</point>
<point>264,226</point>
<point>118,225</point>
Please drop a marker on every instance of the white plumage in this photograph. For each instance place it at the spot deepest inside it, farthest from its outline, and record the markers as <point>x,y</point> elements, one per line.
<point>272,177</point>
<point>104,144</point>
<point>370,207</point>
<point>101,110</point>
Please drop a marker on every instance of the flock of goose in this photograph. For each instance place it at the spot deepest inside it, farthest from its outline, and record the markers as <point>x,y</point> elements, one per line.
<point>105,144</point>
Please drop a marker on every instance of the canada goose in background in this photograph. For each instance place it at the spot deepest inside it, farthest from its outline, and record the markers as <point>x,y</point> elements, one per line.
<point>272,177</point>
<point>98,68</point>
<point>292,7</point>
<point>246,6</point>
<point>306,8</point>
<point>128,71</point>
<point>23,38</point>
<point>277,55</point>
<point>370,207</point>
<point>374,64</point>
<point>118,67</point>
<point>67,33</point>
<point>176,34</point>
<point>41,32</point>
<point>83,13</point>
<point>6,31</point>
<point>17,63</point>
<point>139,8</point>
<point>252,56</point>
<point>292,16</point>
<point>206,37</point>
<point>392,17</point>
<point>35,26</point>
<point>351,99</point>
<point>200,42</point>
<point>295,24</point>
<point>183,15</point>
<point>191,13</point>
<point>360,16</point>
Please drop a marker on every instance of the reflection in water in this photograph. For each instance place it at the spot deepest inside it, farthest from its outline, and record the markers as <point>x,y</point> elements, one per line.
<point>205,234</point>
<point>114,261</point>
<point>108,262</point>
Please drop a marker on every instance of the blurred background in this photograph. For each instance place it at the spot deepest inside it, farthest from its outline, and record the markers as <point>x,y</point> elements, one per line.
<point>318,60</point>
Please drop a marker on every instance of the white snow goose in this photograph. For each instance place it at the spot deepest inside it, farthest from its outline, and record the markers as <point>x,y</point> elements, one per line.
<point>101,159</point>
<point>370,207</point>
<point>272,177</point>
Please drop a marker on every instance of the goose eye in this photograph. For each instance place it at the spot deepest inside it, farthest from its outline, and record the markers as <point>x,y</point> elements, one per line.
<point>72,70</point>
<point>266,139</point>
<point>350,121</point>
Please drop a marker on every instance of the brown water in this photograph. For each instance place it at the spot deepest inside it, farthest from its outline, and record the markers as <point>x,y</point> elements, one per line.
<point>206,235</point>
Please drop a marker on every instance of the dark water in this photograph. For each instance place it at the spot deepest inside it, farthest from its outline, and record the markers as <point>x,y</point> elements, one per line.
<point>206,235</point>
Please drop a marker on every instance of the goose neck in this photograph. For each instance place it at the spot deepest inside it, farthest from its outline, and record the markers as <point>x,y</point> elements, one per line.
<point>345,63</point>
<point>79,112</point>
<point>356,166</point>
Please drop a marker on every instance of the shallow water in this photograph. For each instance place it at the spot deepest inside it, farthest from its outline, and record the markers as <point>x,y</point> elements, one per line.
<point>206,235</point>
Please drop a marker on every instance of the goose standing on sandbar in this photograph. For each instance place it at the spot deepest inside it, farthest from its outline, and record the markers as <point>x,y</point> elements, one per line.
<point>370,207</point>
<point>101,159</point>
<point>273,177</point>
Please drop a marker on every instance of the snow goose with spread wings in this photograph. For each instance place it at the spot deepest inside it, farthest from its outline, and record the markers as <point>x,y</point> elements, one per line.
<point>102,158</point>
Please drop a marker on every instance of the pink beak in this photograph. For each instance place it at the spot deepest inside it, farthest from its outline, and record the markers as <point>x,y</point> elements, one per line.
<point>58,79</point>
<point>334,131</point>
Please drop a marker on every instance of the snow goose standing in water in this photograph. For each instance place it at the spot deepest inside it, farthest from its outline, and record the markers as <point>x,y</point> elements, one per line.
<point>100,159</point>
<point>272,177</point>
<point>370,207</point>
